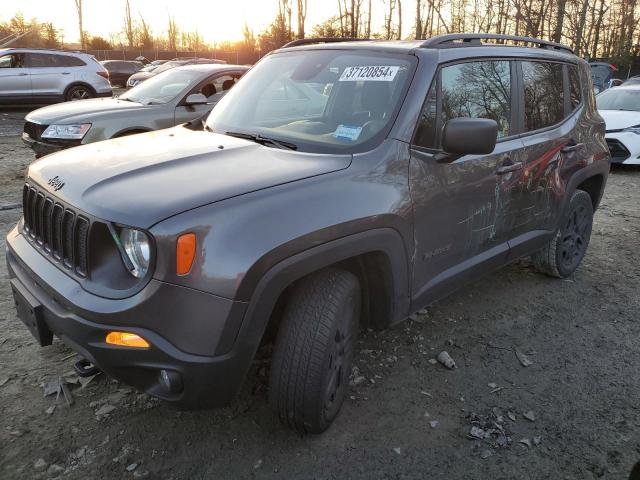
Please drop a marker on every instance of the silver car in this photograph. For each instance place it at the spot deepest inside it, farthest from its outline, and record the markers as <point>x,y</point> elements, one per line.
<point>176,96</point>
<point>48,76</point>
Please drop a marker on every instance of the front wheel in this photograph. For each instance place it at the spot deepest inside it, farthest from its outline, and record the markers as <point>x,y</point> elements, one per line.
<point>79,92</point>
<point>314,349</point>
<point>564,252</point>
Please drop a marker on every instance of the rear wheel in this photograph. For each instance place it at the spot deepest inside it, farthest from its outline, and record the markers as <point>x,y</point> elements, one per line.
<point>314,349</point>
<point>79,92</point>
<point>564,252</point>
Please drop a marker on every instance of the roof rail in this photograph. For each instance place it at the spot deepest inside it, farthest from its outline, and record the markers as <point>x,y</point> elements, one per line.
<point>474,39</point>
<point>311,41</point>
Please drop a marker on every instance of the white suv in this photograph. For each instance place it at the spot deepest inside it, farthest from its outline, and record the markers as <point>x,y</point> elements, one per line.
<point>49,76</point>
<point>620,108</point>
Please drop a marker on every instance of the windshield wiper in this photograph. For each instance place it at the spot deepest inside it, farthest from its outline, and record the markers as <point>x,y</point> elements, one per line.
<point>263,140</point>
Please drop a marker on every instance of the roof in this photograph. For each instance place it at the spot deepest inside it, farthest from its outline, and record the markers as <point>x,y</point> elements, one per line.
<point>456,42</point>
<point>43,50</point>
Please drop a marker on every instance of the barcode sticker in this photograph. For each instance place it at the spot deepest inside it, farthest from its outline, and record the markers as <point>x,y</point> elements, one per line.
<point>376,73</point>
<point>347,132</point>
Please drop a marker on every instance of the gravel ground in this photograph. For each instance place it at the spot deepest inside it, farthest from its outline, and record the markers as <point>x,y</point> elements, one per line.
<point>571,414</point>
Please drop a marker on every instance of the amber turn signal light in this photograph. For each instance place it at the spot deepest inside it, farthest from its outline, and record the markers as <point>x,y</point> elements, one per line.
<point>185,253</point>
<point>124,339</point>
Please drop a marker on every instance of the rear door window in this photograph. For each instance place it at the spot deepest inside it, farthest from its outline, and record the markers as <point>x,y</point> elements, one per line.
<point>41,60</point>
<point>543,87</point>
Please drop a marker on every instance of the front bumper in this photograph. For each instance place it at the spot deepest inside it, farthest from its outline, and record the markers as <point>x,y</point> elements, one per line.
<point>82,320</point>
<point>42,148</point>
<point>624,147</point>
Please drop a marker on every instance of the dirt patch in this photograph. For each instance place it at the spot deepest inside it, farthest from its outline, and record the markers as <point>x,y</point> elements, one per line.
<point>572,413</point>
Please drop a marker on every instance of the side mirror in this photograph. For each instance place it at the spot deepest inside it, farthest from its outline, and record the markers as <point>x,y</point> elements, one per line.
<point>196,99</point>
<point>469,136</point>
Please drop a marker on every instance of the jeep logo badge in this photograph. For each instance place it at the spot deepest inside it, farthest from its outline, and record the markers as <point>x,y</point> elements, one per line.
<point>56,182</point>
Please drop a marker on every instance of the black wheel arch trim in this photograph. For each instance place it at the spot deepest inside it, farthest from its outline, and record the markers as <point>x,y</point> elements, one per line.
<point>247,336</point>
<point>599,168</point>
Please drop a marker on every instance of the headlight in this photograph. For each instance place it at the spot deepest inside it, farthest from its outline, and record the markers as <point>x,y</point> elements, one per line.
<point>70,132</point>
<point>138,250</point>
<point>635,129</point>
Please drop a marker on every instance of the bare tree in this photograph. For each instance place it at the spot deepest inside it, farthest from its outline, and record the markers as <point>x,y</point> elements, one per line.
<point>145,36</point>
<point>82,34</point>
<point>129,26</point>
<point>302,15</point>
<point>388,19</point>
<point>172,34</point>
<point>419,11</point>
<point>399,19</point>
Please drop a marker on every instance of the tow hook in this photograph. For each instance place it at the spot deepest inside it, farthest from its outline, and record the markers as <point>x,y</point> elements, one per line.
<point>84,368</point>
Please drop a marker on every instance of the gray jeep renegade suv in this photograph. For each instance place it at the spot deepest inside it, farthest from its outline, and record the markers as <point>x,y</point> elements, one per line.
<point>338,185</point>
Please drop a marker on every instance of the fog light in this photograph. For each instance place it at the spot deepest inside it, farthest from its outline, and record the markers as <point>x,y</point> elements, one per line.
<point>171,381</point>
<point>125,339</point>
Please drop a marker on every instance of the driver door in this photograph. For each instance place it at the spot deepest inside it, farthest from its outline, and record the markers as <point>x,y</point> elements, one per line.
<point>458,202</point>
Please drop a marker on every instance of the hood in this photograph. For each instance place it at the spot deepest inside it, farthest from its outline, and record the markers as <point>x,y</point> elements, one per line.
<point>619,119</point>
<point>142,179</point>
<point>81,111</point>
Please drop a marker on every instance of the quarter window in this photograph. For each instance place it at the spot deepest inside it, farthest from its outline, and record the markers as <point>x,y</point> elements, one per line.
<point>68,61</point>
<point>543,94</point>
<point>574,87</point>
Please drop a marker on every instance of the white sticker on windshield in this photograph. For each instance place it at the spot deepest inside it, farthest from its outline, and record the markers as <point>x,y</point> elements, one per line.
<point>347,132</point>
<point>376,73</point>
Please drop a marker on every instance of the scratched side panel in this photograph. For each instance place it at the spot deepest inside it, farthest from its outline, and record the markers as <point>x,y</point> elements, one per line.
<point>459,211</point>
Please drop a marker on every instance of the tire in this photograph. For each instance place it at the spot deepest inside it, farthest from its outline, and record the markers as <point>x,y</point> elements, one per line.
<point>564,252</point>
<point>79,92</point>
<point>314,349</point>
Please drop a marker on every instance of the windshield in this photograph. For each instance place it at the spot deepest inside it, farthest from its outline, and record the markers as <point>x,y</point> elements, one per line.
<point>319,100</point>
<point>167,66</point>
<point>619,99</point>
<point>162,88</point>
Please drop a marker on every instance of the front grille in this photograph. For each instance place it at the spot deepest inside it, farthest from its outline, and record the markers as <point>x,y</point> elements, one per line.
<point>56,229</point>
<point>34,130</point>
<point>619,152</point>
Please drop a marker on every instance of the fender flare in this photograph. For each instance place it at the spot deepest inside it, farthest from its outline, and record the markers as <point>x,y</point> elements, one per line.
<point>600,168</point>
<point>246,339</point>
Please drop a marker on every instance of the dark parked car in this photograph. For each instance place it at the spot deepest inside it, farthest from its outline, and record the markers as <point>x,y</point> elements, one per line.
<point>141,76</point>
<point>602,74</point>
<point>121,70</point>
<point>167,258</point>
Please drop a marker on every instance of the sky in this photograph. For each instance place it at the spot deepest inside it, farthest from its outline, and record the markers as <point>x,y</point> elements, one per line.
<point>216,20</point>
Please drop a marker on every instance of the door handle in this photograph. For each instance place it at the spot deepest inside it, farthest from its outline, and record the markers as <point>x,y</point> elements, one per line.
<point>572,147</point>
<point>510,167</point>
<point>66,73</point>
<point>23,74</point>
